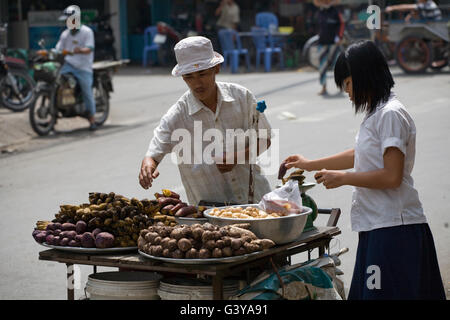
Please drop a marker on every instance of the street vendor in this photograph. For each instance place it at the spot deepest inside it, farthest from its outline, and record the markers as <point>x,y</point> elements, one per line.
<point>396,257</point>
<point>213,105</point>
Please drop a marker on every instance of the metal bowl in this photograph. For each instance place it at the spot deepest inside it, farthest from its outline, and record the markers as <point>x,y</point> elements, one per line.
<point>280,230</point>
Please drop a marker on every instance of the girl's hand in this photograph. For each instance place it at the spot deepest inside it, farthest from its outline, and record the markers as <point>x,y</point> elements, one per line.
<point>331,179</point>
<point>297,161</point>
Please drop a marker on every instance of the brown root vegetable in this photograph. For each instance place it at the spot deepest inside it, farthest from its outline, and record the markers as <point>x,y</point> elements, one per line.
<point>157,241</point>
<point>264,243</point>
<point>186,211</point>
<point>210,244</point>
<point>227,252</point>
<point>236,243</point>
<point>217,235</point>
<point>141,242</point>
<point>235,232</point>
<point>250,247</point>
<point>78,238</point>
<point>172,245</point>
<point>165,243</point>
<point>157,251</point>
<point>227,241</point>
<point>184,244</point>
<point>177,254</point>
<point>207,235</point>
<point>208,226</point>
<point>104,240</point>
<point>143,232</point>
<point>217,253</point>
<point>176,234</point>
<point>166,253</point>
<point>187,232</point>
<point>64,242</point>
<point>197,233</point>
<point>204,254</point>
<point>239,252</point>
<point>73,243</point>
<point>246,239</point>
<point>220,244</point>
<point>192,254</point>
<point>151,236</point>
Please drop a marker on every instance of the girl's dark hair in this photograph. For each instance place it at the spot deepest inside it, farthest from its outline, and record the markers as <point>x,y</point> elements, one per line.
<point>372,80</point>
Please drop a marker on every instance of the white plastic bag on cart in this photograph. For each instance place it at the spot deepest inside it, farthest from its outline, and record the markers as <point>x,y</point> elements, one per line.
<point>284,200</point>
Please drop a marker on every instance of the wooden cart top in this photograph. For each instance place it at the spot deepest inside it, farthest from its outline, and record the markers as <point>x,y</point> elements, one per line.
<point>137,261</point>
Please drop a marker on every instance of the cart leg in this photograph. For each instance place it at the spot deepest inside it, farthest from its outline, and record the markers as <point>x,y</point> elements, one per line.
<point>70,282</point>
<point>95,269</point>
<point>217,283</point>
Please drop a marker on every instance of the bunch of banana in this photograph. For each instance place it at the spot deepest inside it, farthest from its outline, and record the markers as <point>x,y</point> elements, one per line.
<point>42,225</point>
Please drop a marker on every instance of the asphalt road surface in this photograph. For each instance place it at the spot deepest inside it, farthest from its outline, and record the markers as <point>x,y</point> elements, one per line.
<point>64,168</point>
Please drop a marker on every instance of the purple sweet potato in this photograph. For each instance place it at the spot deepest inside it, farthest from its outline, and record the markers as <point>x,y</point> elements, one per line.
<point>57,232</point>
<point>104,240</point>
<point>78,238</point>
<point>73,243</point>
<point>71,235</point>
<point>68,226</point>
<point>49,239</point>
<point>40,237</point>
<point>58,225</point>
<point>50,226</point>
<point>56,240</point>
<point>80,227</point>
<point>35,233</point>
<point>64,242</point>
<point>96,232</point>
<point>88,240</point>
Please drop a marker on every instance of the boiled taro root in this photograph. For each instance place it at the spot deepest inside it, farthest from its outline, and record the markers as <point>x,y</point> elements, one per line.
<point>192,254</point>
<point>184,244</point>
<point>227,252</point>
<point>204,254</point>
<point>104,240</point>
<point>217,253</point>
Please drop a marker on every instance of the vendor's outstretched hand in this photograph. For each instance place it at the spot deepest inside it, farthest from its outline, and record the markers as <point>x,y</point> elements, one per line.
<point>297,161</point>
<point>148,172</point>
<point>330,178</point>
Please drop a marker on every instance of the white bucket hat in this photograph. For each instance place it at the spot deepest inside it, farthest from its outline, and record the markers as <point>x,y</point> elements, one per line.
<point>195,54</point>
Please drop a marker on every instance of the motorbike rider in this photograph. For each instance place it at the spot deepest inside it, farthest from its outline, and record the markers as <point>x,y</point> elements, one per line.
<point>78,41</point>
<point>427,10</point>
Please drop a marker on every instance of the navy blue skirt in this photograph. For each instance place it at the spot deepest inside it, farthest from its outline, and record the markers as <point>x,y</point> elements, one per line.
<point>397,263</point>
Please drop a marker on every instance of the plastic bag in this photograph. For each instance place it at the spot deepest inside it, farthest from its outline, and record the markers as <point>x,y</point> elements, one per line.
<point>284,200</point>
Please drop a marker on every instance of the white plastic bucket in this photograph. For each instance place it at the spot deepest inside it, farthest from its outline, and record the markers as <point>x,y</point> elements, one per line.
<point>123,286</point>
<point>193,289</point>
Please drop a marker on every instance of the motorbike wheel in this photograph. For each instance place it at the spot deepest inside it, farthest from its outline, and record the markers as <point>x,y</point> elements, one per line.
<point>101,105</point>
<point>413,55</point>
<point>42,117</point>
<point>25,85</point>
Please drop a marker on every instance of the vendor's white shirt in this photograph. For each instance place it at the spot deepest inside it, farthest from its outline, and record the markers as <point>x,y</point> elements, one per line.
<point>82,39</point>
<point>204,181</point>
<point>389,125</point>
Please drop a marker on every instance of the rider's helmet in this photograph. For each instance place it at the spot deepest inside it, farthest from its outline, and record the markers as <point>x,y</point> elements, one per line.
<point>74,13</point>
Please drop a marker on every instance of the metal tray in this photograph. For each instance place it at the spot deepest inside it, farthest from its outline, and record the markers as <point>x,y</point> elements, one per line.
<point>90,250</point>
<point>190,221</point>
<point>201,261</point>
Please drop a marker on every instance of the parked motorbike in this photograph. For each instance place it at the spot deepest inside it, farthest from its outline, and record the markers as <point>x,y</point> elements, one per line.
<point>16,85</point>
<point>59,95</point>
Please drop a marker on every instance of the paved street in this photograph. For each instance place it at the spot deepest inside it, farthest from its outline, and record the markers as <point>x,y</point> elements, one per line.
<point>64,168</point>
